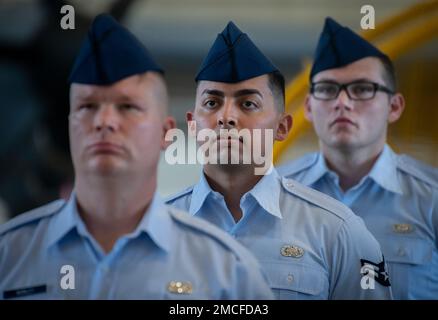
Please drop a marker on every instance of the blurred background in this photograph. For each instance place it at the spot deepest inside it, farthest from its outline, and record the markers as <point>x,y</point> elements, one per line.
<point>36,55</point>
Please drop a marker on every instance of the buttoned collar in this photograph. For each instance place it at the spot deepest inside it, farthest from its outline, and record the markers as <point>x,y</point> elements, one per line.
<point>383,172</point>
<point>266,192</point>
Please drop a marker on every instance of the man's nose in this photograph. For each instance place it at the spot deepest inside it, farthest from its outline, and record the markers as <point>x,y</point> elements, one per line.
<point>343,100</point>
<point>228,117</point>
<point>106,118</point>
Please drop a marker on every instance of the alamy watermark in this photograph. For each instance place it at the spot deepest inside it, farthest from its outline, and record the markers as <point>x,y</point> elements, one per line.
<point>67,281</point>
<point>68,19</point>
<point>367,281</point>
<point>368,18</point>
<point>224,147</point>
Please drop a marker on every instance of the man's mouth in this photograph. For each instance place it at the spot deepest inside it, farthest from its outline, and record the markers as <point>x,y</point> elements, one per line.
<point>229,138</point>
<point>105,147</point>
<point>342,120</point>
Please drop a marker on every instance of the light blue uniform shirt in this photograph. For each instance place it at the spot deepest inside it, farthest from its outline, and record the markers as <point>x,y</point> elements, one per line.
<point>398,201</point>
<point>170,255</point>
<point>309,245</point>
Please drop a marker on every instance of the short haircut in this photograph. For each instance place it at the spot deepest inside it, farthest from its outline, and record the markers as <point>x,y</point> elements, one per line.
<point>159,88</point>
<point>277,85</point>
<point>388,75</point>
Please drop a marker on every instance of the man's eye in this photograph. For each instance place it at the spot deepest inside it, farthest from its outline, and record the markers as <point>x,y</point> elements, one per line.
<point>326,89</point>
<point>210,103</point>
<point>249,105</point>
<point>363,88</point>
<point>87,106</point>
<point>127,106</point>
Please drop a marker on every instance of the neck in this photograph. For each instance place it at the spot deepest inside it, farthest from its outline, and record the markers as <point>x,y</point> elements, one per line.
<point>351,165</point>
<point>112,207</point>
<point>232,182</point>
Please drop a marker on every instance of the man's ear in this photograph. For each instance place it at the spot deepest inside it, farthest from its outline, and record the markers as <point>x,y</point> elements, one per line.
<point>168,124</point>
<point>284,127</point>
<point>191,124</point>
<point>308,108</point>
<point>396,105</point>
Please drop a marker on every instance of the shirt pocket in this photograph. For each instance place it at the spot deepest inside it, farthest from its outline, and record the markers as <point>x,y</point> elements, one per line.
<point>294,281</point>
<point>407,250</point>
<point>410,266</point>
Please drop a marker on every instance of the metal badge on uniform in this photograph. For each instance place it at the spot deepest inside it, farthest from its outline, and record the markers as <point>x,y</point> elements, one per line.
<point>180,287</point>
<point>403,228</point>
<point>292,251</point>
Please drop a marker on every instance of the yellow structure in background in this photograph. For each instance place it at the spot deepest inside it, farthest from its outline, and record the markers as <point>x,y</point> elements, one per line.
<point>399,35</point>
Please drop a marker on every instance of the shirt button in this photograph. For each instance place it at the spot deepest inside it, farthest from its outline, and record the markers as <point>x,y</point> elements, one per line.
<point>401,252</point>
<point>290,278</point>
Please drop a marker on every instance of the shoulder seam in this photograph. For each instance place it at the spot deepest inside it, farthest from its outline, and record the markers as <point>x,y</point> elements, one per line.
<point>207,229</point>
<point>32,215</point>
<point>298,165</point>
<point>332,205</point>
<point>406,164</point>
<point>178,194</point>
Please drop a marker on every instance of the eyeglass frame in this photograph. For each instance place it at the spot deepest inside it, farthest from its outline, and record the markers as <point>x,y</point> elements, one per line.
<point>343,86</point>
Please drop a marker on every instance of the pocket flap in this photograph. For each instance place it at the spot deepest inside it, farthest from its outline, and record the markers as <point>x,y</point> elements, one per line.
<point>405,249</point>
<point>296,277</point>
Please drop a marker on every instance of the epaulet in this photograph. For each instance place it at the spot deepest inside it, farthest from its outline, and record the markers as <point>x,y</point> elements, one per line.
<point>178,195</point>
<point>317,198</point>
<point>300,164</point>
<point>201,226</point>
<point>32,216</point>
<point>418,169</point>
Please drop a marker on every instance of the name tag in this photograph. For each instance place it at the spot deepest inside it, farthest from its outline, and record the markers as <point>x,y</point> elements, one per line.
<point>22,292</point>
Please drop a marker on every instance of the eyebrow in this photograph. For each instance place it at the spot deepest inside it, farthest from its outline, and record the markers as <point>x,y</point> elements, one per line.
<point>247,92</point>
<point>93,97</point>
<point>243,92</point>
<point>213,93</point>
<point>334,81</point>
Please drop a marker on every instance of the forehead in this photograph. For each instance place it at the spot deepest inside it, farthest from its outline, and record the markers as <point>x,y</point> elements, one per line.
<point>133,87</point>
<point>259,83</point>
<point>369,68</point>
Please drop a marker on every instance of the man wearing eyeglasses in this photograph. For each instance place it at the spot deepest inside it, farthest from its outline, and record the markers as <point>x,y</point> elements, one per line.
<point>352,100</point>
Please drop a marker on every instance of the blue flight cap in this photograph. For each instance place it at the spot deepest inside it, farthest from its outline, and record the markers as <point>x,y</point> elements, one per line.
<point>234,58</point>
<point>110,53</point>
<point>339,46</point>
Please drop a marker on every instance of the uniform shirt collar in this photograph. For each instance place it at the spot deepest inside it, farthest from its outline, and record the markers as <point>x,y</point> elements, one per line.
<point>156,222</point>
<point>268,201</point>
<point>200,192</point>
<point>316,171</point>
<point>267,192</point>
<point>64,222</point>
<point>384,171</point>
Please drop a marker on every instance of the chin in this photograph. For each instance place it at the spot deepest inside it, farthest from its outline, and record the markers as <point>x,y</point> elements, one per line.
<point>105,167</point>
<point>231,158</point>
<point>344,144</point>
<point>235,168</point>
